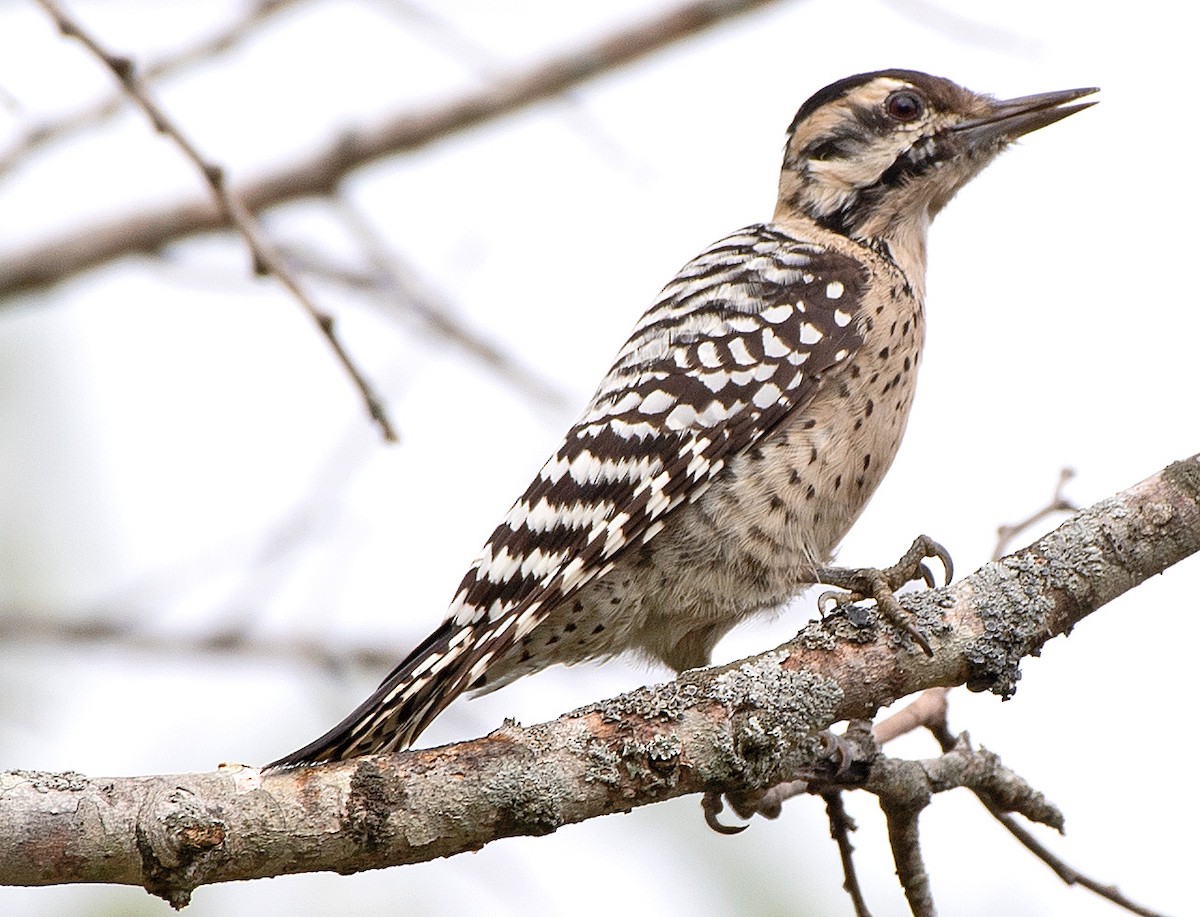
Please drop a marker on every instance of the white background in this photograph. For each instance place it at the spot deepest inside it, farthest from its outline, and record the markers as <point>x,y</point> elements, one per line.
<point>180,452</point>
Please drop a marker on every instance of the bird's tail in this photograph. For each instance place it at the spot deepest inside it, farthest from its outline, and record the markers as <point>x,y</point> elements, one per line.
<point>403,705</point>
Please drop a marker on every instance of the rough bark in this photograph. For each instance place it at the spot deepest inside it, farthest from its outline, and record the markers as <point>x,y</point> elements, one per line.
<point>744,725</point>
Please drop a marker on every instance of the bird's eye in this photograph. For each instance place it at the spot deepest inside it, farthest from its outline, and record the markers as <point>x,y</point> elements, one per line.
<point>904,105</point>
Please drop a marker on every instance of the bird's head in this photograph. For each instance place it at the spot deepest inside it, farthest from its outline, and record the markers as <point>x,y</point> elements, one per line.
<point>877,155</point>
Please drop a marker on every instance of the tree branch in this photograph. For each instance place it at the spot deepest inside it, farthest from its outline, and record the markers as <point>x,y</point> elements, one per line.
<point>929,711</point>
<point>39,135</point>
<point>840,826</point>
<point>1058,504</point>
<point>321,170</point>
<point>266,257</point>
<point>730,728</point>
<point>1061,869</point>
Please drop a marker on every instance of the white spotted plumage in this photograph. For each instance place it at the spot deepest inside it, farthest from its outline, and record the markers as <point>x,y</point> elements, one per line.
<point>742,427</point>
<point>698,381</point>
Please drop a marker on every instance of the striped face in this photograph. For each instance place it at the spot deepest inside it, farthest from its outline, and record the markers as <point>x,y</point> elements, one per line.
<point>880,146</point>
<point>734,344</point>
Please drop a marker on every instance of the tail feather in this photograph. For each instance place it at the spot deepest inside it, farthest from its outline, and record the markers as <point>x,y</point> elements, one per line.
<point>396,713</point>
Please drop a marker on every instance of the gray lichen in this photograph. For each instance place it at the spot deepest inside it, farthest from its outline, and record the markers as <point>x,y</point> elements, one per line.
<point>666,702</point>
<point>776,715</point>
<point>526,800</point>
<point>603,764</point>
<point>767,706</point>
<point>663,752</point>
<point>49,781</point>
<point>1009,625</point>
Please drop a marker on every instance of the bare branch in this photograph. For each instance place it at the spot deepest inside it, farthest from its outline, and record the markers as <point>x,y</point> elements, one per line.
<point>404,289</point>
<point>840,826</point>
<point>267,259</point>
<point>397,287</point>
<point>744,725</point>
<point>1058,504</point>
<point>905,788</point>
<point>1067,873</point>
<point>321,171</point>
<point>929,710</point>
<point>902,816</point>
<point>48,132</point>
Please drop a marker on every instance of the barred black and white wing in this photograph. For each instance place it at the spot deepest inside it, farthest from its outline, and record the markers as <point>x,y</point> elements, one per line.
<point>736,343</point>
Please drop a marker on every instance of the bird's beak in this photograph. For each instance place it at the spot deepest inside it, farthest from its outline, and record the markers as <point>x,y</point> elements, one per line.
<point>1014,118</point>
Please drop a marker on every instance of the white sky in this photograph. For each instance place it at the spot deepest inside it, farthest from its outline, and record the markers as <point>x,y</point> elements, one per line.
<point>178,446</point>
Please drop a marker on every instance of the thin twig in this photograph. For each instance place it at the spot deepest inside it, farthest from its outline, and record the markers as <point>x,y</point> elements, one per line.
<point>924,712</point>
<point>967,30</point>
<point>928,711</point>
<point>403,289</point>
<point>404,295</point>
<point>1067,873</point>
<point>140,636</point>
<point>1058,504</point>
<point>228,36</point>
<point>840,826</point>
<point>266,257</point>
<point>321,171</point>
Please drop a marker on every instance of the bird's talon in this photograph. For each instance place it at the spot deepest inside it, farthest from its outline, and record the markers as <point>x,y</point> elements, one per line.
<point>934,550</point>
<point>836,750</point>
<point>927,576</point>
<point>918,637</point>
<point>836,598</point>
<point>881,585</point>
<point>712,805</point>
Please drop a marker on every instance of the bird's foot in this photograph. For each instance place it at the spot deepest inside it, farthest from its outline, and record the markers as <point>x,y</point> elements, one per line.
<point>855,585</point>
<point>843,762</point>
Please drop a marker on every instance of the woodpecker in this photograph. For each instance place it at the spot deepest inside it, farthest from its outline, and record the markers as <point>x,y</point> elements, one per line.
<point>743,426</point>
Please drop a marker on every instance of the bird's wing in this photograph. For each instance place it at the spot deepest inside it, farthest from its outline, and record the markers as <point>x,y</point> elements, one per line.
<point>736,343</point>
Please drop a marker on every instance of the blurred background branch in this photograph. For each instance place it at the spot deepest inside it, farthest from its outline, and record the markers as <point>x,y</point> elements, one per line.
<point>321,170</point>
<point>266,258</point>
<point>205,555</point>
<point>33,138</point>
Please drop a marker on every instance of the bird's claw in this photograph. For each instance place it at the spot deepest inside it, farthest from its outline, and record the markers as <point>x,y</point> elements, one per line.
<point>927,576</point>
<point>833,765</point>
<point>835,749</point>
<point>712,805</point>
<point>881,585</point>
<point>835,599</point>
<point>912,565</point>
